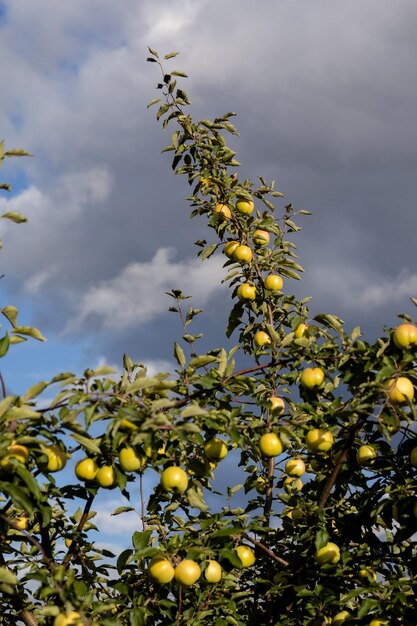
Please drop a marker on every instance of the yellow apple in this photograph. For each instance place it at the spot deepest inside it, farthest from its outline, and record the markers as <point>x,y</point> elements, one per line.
<point>174,479</point>
<point>224,211</point>
<point>161,570</point>
<point>246,291</point>
<point>261,237</point>
<point>187,572</point>
<point>413,457</point>
<point>261,338</point>
<point>243,254</point>
<point>340,618</point>
<point>21,522</point>
<point>68,619</point>
<point>273,282</point>
<point>319,440</point>
<point>276,405</point>
<point>213,572</point>
<point>215,449</point>
<point>230,247</point>
<point>130,460</point>
<point>246,555</point>
<point>300,331</point>
<point>86,469</point>
<point>245,206</point>
<point>106,477</point>
<point>378,622</point>
<point>405,335</point>
<point>367,573</point>
<point>400,390</point>
<point>295,467</point>
<point>330,553</point>
<point>14,451</point>
<point>366,455</point>
<point>57,457</point>
<point>292,484</point>
<point>270,445</point>
<point>312,377</point>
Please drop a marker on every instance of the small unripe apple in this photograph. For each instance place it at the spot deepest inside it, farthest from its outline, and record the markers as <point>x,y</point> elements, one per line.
<point>400,390</point>
<point>295,467</point>
<point>213,572</point>
<point>261,338</point>
<point>330,553</point>
<point>224,211</point>
<point>215,449</point>
<point>413,457</point>
<point>261,237</point>
<point>243,254</point>
<point>229,248</point>
<point>246,291</point>
<point>130,460</point>
<point>161,570</point>
<point>405,335</point>
<point>312,377</point>
<point>319,440</point>
<point>366,454</point>
<point>270,445</point>
<point>174,479</point>
<point>187,572</point>
<point>246,555</point>
<point>86,469</point>
<point>273,282</point>
<point>277,405</point>
<point>245,206</point>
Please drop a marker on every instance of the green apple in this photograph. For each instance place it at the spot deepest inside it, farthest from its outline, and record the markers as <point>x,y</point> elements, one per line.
<point>366,454</point>
<point>57,457</point>
<point>330,553</point>
<point>400,390</point>
<point>215,449</point>
<point>229,248</point>
<point>130,460</point>
<point>213,572</point>
<point>243,254</point>
<point>270,445</point>
<point>300,331</point>
<point>245,206</point>
<point>319,440</point>
<point>14,451</point>
<point>276,405</point>
<point>106,477</point>
<point>261,237</point>
<point>246,555</point>
<point>312,377</point>
<point>86,469</point>
<point>161,570</point>
<point>295,467</point>
<point>174,479</point>
<point>187,572</point>
<point>273,282</point>
<point>246,291</point>
<point>405,335</point>
<point>340,618</point>
<point>261,338</point>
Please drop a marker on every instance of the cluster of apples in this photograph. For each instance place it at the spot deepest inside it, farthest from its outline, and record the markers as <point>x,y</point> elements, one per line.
<point>17,453</point>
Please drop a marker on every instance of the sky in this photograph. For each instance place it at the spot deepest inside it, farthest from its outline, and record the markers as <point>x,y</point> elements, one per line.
<point>326,99</point>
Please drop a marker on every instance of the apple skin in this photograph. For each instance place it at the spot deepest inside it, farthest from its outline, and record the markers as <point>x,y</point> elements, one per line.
<point>230,247</point>
<point>14,451</point>
<point>405,336</point>
<point>261,237</point>
<point>365,455</point>
<point>270,445</point>
<point>276,405</point>
<point>378,622</point>
<point>367,573</point>
<point>57,458</point>
<point>319,440</point>
<point>130,460</point>
<point>261,338</point>
<point>224,211</point>
<point>106,477</point>
<point>312,377</point>
<point>187,572</point>
<point>21,522</point>
<point>246,291</point>
<point>413,457</point>
<point>86,469</point>
<point>300,331</point>
<point>340,618</point>
<point>295,467</point>
<point>174,479</point>
<point>245,206</point>
<point>292,484</point>
<point>400,390</point>
<point>246,555</point>
<point>215,449</point>
<point>243,254</point>
<point>68,619</point>
<point>330,553</point>
<point>161,570</point>
<point>213,572</point>
<point>273,282</point>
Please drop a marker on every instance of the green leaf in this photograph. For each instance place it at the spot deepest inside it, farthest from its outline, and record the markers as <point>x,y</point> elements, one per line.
<point>5,404</point>
<point>171,55</point>
<point>140,540</point>
<point>29,480</point>
<point>123,509</point>
<point>88,444</point>
<point>153,52</point>
<point>14,216</point>
<point>35,390</point>
<point>179,355</point>
<point>193,410</point>
<point>196,500</point>
<point>23,412</point>
<point>10,312</point>
<point>201,361</point>
<point>4,345</point>
<point>104,370</point>
<point>16,152</point>
<point>7,576</point>
<point>29,331</point>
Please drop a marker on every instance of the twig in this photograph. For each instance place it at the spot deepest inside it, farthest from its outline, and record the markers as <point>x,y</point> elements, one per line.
<point>267,551</point>
<point>3,386</point>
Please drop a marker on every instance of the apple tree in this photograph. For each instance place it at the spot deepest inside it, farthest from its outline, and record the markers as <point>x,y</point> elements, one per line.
<point>317,425</point>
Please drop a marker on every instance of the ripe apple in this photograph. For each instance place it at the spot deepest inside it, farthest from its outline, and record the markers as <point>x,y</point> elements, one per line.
<point>174,479</point>
<point>68,619</point>
<point>312,377</point>
<point>224,211</point>
<point>405,335</point>
<point>400,390</point>
<point>14,451</point>
<point>330,553</point>
<point>368,573</point>
<point>57,457</point>
<point>273,282</point>
<point>270,445</point>
<point>229,248</point>
<point>366,455</point>
<point>413,457</point>
<point>319,440</point>
<point>246,291</point>
<point>245,206</point>
<point>21,522</point>
<point>213,572</point>
<point>215,449</point>
<point>130,460</point>
<point>246,555</point>
<point>277,404</point>
<point>187,572</point>
<point>292,484</point>
<point>261,237</point>
<point>340,618</point>
<point>261,338</point>
<point>161,570</point>
<point>295,467</point>
<point>86,469</point>
<point>243,254</point>
<point>106,477</point>
<point>300,331</point>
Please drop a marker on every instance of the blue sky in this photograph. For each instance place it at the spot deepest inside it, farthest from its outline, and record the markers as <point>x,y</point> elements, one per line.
<point>326,96</point>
